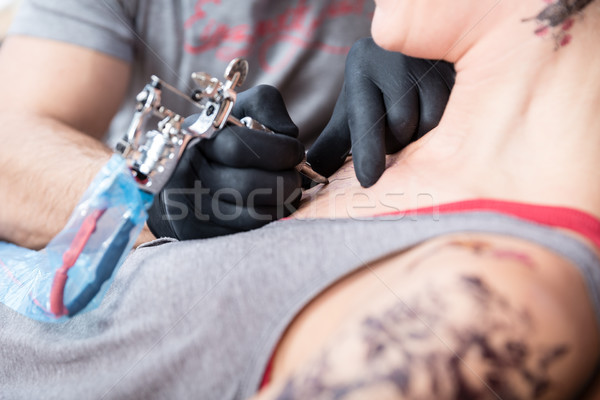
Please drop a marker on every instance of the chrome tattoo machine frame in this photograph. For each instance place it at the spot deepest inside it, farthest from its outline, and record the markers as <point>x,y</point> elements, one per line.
<point>153,154</point>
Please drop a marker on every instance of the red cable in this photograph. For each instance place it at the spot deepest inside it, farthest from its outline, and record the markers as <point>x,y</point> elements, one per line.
<point>57,306</point>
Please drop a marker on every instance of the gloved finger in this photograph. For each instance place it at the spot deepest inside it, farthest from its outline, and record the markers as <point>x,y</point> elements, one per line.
<point>187,210</point>
<point>331,148</point>
<point>238,217</point>
<point>247,185</point>
<point>434,94</point>
<point>265,104</point>
<point>241,147</point>
<point>446,71</point>
<point>204,230</point>
<point>397,77</point>
<point>173,212</point>
<point>402,114</point>
<point>173,215</point>
<point>367,121</point>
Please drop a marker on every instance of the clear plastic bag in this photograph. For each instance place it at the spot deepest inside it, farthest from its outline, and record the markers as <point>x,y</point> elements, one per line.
<point>72,274</point>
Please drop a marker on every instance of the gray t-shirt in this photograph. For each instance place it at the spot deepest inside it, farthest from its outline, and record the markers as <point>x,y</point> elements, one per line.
<point>298,46</point>
<point>200,319</point>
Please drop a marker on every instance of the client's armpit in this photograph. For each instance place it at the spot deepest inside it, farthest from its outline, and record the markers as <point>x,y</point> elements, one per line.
<point>459,334</point>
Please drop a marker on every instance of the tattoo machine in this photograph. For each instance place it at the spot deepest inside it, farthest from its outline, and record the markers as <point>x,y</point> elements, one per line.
<point>72,274</point>
<point>153,155</point>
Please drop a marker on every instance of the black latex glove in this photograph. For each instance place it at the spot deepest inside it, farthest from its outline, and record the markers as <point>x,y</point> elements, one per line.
<point>239,180</point>
<point>388,100</point>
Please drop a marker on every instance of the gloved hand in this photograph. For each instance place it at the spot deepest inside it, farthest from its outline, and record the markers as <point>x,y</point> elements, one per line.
<point>388,100</point>
<point>239,180</point>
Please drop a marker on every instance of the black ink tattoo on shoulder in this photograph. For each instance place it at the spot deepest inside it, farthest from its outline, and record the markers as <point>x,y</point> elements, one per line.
<point>414,349</point>
<point>557,19</point>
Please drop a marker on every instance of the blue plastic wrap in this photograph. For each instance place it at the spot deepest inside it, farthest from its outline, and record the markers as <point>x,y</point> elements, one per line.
<point>42,285</point>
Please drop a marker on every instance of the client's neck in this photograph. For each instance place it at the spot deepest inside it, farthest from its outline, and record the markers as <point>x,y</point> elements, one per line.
<point>523,119</point>
<point>522,123</point>
<point>524,93</point>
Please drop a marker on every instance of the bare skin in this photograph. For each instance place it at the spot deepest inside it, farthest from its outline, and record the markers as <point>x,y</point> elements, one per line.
<point>451,319</point>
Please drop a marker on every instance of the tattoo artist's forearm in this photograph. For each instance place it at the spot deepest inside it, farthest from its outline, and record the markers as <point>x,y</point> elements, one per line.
<point>45,167</point>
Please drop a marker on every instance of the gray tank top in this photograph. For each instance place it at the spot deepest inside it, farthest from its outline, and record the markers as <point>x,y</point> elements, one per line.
<point>200,319</point>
